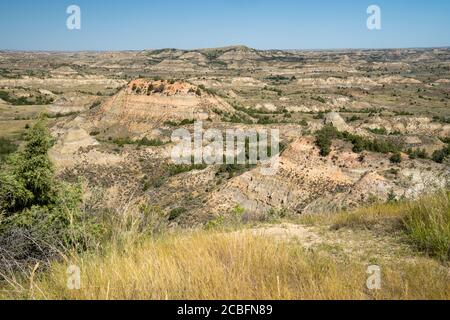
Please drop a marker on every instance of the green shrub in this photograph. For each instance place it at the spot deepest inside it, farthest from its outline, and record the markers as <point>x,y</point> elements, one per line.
<point>418,153</point>
<point>360,144</point>
<point>233,170</point>
<point>380,131</point>
<point>95,104</point>
<point>142,142</point>
<point>440,155</point>
<point>396,158</point>
<point>325,136</point>
<point>177,169</point>
<point>6,148</point>
<point>179,123</point>
<point>41,216</point>
<point>303,123</point>
<point>392,197</point>
<point>23,101</point>
<point>324,139</point>
<point>61,115</point>
<point>319,99</point>
<point>319,116</point>
<point>403,113</point>
<point>445,140</point>
<point>150,142</point>
<point>175,213</point>
<point>158,183</point>
<point>146,184</point>
<point>29,170</point>
<point>266,120</point>
<point>353,118</point>
<point>441,119</point>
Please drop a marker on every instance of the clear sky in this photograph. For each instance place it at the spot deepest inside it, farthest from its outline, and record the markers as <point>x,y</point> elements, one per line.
<point>262,24</point>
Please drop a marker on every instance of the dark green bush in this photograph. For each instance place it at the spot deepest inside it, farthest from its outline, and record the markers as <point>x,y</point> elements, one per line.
<point>396,158</point>
<point>179,123</point>
<point>439,156</point>
<point>325,136</point>
<point>319,99</point>
<point>175,213</point>
<point>303,123</point>
<point>176,169</point>
<point>41,215</point>
<point>418,153</point>
<point>150,142</point>
<point>380,131</point>
<point>142,142</point>
<point>360,144</point>
<point>6,148</point>
<point>23,101</point>
<point>353,118</point>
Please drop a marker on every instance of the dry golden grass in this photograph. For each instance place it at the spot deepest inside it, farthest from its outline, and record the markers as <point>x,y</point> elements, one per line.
<point>364,216</point>
<point>238,265</point>
<point>211,265</point>
<point>426,221</point>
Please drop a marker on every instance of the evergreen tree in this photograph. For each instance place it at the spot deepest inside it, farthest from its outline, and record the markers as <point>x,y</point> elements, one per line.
<point>27,179</point>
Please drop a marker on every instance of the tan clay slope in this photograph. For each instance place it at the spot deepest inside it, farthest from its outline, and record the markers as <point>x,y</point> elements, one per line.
<point>410,125</point>
<point>145,104</point>
<point>309,183</point>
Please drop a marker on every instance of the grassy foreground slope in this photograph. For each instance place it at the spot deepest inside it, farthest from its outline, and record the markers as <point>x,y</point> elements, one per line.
<point>239,263</point>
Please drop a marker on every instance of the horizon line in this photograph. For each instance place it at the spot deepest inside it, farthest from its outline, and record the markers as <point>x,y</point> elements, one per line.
<point>224,47</point>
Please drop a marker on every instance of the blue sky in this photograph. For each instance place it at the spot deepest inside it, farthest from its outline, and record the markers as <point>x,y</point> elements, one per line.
<point>262,24</point>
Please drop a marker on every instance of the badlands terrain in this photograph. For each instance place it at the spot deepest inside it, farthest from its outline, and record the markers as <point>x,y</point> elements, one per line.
<point>362,181</point>
<point>112,115</point>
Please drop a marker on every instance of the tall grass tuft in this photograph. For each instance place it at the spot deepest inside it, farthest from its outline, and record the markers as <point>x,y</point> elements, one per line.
<point>427,224</point>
